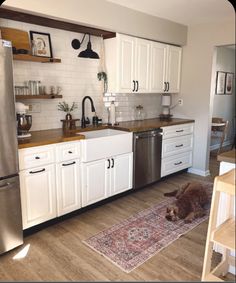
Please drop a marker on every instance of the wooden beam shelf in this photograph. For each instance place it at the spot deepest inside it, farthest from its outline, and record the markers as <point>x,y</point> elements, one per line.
<point>28,57</point>
<point>43,96</point>
<point>52,23</point>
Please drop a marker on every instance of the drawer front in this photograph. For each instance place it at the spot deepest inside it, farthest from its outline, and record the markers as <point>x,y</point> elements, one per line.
<point>35,156</point>
<point>67,151</point>
<point>177,145</point>
<point>176,163</point>
<point>177,131</point>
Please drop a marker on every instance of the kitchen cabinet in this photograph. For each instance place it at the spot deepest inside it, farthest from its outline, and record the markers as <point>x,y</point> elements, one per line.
<point>68,177</point>
<point>49,181</point>
<point>177,147</point>
<point>106,177</point>
<point>137,65</point>
<point>38,195</point>
<point>68,186</point>
<point>121,173</point>
<point>94,181</point>
<point>128,64</point>
<point>165,68</point>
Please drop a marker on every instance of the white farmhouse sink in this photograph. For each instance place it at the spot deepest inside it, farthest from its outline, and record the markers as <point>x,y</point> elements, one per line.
<point>104,144</point>
<point>101,133</point>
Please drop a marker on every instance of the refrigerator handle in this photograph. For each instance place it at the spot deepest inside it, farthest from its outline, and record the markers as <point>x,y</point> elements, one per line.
<point>5,186</point>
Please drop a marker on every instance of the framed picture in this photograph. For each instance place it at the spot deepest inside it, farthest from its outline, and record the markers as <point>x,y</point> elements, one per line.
<point>229,83</point>
<point>41,44</point>
<point>220,82</point>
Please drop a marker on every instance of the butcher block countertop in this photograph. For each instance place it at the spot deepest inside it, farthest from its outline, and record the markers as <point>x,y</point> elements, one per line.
<point>228,156</point>
<point>150,124</point>
<point>46,137</point>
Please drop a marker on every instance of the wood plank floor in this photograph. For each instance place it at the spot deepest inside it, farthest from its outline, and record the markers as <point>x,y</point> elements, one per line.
<point>57,253</point>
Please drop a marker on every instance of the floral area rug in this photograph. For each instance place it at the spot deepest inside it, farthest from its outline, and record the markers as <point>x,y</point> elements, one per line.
<point>133,241</point>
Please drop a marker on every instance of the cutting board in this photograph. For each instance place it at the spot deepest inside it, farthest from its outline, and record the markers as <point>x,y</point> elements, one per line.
<point>19,38</point>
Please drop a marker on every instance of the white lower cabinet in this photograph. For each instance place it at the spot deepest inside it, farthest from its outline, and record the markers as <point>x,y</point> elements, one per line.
<point>176,163</point>
<point>177,148</point>
<point>68,186</point>
<point>38,195</point>
<point>106,177</point>
<point>122,173</point>
<point>94,185</point>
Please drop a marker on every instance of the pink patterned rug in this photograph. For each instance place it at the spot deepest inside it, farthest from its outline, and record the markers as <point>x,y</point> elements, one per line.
<point>133,241</point>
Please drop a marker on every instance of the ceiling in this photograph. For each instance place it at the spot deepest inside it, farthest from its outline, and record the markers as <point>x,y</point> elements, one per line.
<point>187,12</point>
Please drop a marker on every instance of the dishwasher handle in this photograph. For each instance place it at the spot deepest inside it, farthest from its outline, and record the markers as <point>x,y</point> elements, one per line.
<point>148,135</point>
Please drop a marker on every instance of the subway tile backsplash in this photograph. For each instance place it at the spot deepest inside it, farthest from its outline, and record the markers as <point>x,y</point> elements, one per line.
<point>77,77</point>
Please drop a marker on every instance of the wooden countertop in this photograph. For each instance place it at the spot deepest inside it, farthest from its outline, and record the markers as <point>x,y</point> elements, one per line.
<point>46,137</point>
<point>150,124</point>
<point>228,156</point>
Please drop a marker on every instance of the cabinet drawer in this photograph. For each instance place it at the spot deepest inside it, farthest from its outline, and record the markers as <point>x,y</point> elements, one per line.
<point>67,151</point>
<point>177,130</point>
<point>176,163</point>
<point>177,145</point>
<point>35,156</point>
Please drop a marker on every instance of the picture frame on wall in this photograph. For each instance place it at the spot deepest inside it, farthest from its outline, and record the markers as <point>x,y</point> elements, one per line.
<point>229,83</point>
<point>220,82</point>
<point>41,44</point>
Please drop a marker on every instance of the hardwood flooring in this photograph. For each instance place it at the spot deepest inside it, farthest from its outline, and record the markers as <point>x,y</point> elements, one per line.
<point>57,253</point>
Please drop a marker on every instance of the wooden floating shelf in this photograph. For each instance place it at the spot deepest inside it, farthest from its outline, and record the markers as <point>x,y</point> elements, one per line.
<point>44,96</point>
<point>31,58</point>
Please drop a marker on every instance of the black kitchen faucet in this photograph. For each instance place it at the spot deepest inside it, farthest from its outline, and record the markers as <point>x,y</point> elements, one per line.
<point>83,120</point>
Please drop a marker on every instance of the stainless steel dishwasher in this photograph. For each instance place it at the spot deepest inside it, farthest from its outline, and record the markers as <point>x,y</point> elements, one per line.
<point>147,148</point>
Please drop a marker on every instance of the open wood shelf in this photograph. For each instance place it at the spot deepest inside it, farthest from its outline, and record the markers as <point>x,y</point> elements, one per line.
<point>225,234</point>
<point>44,96</point>
<point>31,58</point>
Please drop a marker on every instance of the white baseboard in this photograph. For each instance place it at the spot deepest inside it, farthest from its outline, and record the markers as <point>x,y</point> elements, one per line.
<point>216,146</point>
<point>199,172</point>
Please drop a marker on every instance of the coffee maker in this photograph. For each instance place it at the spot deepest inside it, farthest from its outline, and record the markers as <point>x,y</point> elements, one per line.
<point>24,121</point>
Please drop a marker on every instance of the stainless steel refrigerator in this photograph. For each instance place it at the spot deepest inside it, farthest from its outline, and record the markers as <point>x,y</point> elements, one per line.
<point>11,233</point>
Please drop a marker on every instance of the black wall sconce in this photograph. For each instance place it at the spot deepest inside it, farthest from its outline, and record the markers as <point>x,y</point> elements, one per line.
<point>88,52</point>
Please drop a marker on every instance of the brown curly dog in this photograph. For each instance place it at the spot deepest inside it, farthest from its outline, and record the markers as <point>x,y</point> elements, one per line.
<point>191,199</point>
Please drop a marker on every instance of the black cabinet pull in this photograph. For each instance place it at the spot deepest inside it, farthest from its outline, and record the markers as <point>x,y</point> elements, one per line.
<point>178,163</point>
<point>168,86</point>
<point>164,86</point>
<point>113,162</point>
<point>34,172</point>
<point>37,157</point>
<point>109,163</point>
<point>70,152</point>
<point>179,145</point>
<point>179,131</point>
<point>68,164</point>
<point>134,86</point>
<point>137,86</point>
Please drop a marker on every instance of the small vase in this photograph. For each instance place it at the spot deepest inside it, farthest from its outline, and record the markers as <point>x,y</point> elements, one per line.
<point>68,116</point>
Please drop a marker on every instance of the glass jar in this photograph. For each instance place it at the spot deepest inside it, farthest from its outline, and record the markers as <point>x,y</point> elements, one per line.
<point>139,112</point>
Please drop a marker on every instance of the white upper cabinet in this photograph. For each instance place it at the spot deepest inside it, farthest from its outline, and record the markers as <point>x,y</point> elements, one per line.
<point>137,65</point>
<point>173,68</point>
<point>126,64</point>
<point>142,65</point>
<point>158,67</point>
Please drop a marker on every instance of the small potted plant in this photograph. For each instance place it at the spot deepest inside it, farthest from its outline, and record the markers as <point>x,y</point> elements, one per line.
<point>63,106</point>
<point>103,76</point>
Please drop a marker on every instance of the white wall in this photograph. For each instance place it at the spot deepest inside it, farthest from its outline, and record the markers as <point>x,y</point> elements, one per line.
<point>106,15</point>
<point>196,89</point>
<point>224,105</point>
